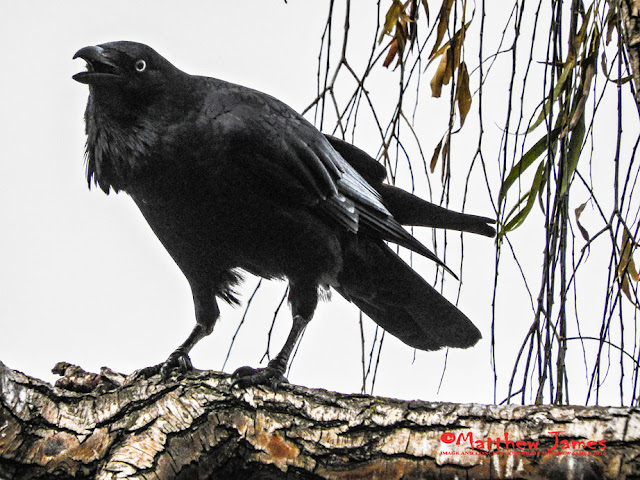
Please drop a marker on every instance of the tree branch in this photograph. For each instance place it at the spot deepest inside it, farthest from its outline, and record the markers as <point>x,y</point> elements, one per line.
<point>199,427</point>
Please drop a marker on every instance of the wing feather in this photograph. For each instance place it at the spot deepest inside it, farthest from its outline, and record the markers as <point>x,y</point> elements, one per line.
<point>285,141</point>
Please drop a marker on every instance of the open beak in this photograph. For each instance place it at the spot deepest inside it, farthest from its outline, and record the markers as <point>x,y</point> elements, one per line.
<point>101,69</point>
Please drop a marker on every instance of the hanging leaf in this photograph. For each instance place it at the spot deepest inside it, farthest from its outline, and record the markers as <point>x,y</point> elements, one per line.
<point>517,206</point>
<point>426,10</point>
<point>448,64</point>
<point>457,40</point>
<point>527,160</point>
<point>391,18</point>
<point>605,72</point>
<point>626,289</point>
<point>541,195</point>
<point>412,31</point>
<point>463,93</point>
<point>443,23</point>
<point>583,94</point>
<point>530,197</point>
<point>627,268</point>
<point>397,20</point>
<point>445,158</point>
<point>546,107</point>
<point>611,21</point>
<point>578,212</point>
<point>391,54</point>
<point>576,122</point>
<point>434,157</point>
<point>443,74</point>
<point>578,39</point>
<point>573,153</point>
<point>625,286</point>
<point>627,265</point>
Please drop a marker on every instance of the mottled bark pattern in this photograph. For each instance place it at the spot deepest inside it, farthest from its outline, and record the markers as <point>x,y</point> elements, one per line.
<point>630,17</point>
<point>198,427</point>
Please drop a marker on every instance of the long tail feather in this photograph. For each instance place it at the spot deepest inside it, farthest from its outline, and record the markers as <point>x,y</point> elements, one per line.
<point>411,210</point>
<point>388,291</point>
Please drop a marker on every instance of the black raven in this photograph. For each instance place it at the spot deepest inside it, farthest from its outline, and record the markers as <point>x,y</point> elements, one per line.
<point>231,179</point>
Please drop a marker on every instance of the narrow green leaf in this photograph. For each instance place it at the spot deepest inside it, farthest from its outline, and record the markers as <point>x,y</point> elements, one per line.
<point>580,35</point>
<point>546,108</point>
<point>516,207</point>
<point>519,218</point>
<point>542,196</point>
<point>527,160</point>
<point>573,153</point>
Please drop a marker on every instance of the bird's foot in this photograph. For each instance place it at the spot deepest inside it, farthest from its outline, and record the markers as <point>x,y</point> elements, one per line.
<point>178,360</point>
<point>248,377</point>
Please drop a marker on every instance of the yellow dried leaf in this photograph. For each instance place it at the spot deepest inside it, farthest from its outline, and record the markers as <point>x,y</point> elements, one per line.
<point>627,265</point>
<point>457,40</point>
<point>578,213</point>
<point>391,18</point>
<point>624,286</point>
<point>443,23</point>
<point>443,74</point>
<point>426,9</point>
<point>631,270</point>
<point>399,21</point>
<point>626,289</point>
<point>463,93</point>
<point>445,158</point>
<point>434,157</point>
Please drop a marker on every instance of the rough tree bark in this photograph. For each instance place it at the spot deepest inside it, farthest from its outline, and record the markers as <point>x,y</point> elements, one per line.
<point>630,18</point>
<point>197,427</point>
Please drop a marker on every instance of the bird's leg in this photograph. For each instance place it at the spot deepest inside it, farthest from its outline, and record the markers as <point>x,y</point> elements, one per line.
<point>303,304</point>
<point>281,360</point>
<point>273,373</point>
<point>207,312</point>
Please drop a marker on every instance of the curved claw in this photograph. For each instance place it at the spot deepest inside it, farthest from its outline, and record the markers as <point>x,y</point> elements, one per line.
<point>177,361</point>
<point>248,377</point>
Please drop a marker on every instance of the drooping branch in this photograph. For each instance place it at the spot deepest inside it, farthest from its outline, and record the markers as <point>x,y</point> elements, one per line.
<point>199,427</point>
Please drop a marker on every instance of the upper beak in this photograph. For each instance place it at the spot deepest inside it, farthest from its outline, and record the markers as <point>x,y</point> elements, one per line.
<point>101,68</point>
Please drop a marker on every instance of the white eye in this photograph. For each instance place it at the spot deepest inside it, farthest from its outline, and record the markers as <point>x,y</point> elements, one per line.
<point>141,66</point>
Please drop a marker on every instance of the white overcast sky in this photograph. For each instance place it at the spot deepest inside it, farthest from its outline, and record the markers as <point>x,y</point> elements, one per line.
<point>82,277</point>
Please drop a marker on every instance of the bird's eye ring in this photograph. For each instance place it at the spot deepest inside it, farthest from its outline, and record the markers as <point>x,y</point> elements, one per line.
<point>141,66</point>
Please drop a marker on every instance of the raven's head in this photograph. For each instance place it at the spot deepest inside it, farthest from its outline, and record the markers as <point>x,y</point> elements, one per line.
<point>134,94</point>
<point>127,67</point>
